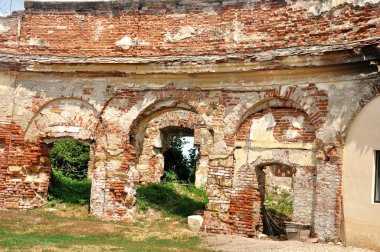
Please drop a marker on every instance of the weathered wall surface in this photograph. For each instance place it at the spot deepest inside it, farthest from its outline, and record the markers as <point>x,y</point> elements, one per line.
<point>38,108</point>
<point>157,139</point>
<point>153,28</point>
<point>277,136</point>
<point>228,65</point>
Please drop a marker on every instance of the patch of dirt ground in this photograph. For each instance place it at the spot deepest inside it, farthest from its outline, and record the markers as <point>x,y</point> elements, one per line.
<point>232,243</point>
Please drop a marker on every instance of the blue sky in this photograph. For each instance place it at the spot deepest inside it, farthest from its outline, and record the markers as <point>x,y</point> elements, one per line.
<point>7,6</point>
<point>190,144</point>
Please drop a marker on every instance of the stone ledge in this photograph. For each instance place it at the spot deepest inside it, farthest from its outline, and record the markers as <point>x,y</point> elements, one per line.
<point>322,55</point>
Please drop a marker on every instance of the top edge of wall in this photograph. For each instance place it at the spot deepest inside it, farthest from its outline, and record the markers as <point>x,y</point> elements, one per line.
<point>317,7</point>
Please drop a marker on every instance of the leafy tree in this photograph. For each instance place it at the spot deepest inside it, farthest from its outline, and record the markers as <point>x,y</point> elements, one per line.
<point>71,158</point>
<point>179,164</point>
<point>192,162</point>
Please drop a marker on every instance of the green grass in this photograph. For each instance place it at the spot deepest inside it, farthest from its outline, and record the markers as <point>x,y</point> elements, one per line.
<point>172,199</point>
<point>12,240</point>
<point>67,190</point>
<point>68,227</point>
<point>46,230</point>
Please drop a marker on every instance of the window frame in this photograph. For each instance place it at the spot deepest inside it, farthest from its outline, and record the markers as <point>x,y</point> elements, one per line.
<point>377,176</point>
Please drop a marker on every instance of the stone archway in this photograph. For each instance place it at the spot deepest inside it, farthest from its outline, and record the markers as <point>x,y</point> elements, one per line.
<point>162,128</point>
<point>281,136</point>
<point>63,118</point>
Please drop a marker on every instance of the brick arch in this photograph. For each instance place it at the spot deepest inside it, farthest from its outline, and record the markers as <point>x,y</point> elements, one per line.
<point>127,100</point>
<point>132,97</point>
<point>283,112</point>
<point>193,120</point>
<point>150,163</point>
<point>290,125</point>
<point>271,102</point>
<point>158,108</point>
<point>54,120</point>
<point>308,98</point>
<point>124,110</point>
<point>172,100</point>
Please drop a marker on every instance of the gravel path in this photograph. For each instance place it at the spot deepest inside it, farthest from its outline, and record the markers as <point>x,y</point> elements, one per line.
<point>233,243</point>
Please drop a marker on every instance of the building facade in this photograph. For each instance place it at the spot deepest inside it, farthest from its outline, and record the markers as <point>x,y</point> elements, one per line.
<point>290,85</point>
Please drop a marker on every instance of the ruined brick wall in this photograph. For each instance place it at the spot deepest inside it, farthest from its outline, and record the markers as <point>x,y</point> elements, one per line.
<point>154,28</point>
<point>158,135</point>
<point>289,125</point>
<point>228,64</point>
<point>115,110</point>
<point>269,137</point>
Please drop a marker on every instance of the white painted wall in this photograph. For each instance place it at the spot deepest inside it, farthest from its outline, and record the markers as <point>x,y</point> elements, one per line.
<point>361,215</point>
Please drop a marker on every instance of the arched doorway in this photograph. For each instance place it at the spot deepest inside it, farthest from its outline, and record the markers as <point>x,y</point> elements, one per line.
<point>60,119</point>
<point>280,141</point>
<point>159,134</point>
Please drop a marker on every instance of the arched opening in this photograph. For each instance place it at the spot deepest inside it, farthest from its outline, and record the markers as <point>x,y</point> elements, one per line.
<point>274,171</point>
<point>180,154</point>
<point>150,114</point>
<point>165,135</point>
<point>166,173</point>
<point>65,119</point>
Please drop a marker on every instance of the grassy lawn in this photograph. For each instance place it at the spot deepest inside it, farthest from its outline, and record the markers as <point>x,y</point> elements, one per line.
<point>172,199</point>
<point>68,227</point>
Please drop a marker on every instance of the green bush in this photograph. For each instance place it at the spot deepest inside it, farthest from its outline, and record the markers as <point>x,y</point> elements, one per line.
<point>71,158</point>
<point>280,204</point>
<point>172,198</point>
<point>170,177</point>
<point>67,190</point>
<point>177,163</point>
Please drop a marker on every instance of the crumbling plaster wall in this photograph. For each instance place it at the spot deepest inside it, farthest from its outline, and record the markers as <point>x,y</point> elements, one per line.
<point>154,28</point>
<point>107,110</point>
<point>278,135</point>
